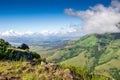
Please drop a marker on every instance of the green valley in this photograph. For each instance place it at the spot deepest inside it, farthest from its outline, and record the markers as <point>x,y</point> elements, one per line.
<point>18,63</point>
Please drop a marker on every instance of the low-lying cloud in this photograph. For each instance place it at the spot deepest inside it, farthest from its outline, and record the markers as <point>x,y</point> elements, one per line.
<point>12,33</point>
<point>98,19</point>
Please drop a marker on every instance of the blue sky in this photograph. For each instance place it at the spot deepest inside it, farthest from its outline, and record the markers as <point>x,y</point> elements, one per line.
<point>38,15</point>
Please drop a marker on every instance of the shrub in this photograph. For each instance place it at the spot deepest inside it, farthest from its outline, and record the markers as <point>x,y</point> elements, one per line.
<point>24,46</point>
<point>82,74</point>
<point>35,55</point>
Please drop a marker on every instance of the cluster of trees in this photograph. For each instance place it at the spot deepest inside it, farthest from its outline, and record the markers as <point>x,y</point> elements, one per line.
<point>24,46</point>
<point>3,47</point>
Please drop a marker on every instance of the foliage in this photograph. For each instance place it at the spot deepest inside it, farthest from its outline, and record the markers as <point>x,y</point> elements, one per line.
<point>26,65</point>
<point>8,52</point>
<point>97,52</point>
<point>35,55</point>
<point>25,71</point>
<point>115,73</point>
<point>83,74</point>
<point>3,46</point>
<point>24,46</point>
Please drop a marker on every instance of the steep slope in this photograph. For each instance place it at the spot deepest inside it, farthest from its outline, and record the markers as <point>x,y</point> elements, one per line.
<point>98,52</point>
<point>82,45</point>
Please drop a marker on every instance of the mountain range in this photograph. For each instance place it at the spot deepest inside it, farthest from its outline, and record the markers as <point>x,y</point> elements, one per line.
<point>100,53</point>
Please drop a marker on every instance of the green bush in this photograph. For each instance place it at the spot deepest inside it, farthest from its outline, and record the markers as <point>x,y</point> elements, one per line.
<point>24,46</point>
<point>39,60</point>
<point>35,55</point>
<point>83,74</point>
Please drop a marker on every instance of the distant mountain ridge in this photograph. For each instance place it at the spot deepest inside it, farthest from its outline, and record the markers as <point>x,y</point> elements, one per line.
<point>46,38</point>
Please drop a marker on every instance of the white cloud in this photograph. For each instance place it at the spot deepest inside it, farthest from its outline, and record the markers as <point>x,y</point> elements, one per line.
<point>98,19</point>
<point>11,33</point>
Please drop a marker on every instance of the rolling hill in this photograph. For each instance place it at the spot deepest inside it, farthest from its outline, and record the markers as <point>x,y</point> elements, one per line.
<point>100,53</point>
<point>22,64</point>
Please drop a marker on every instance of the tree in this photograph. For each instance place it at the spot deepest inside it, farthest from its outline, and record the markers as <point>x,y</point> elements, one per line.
<point>24,46</point>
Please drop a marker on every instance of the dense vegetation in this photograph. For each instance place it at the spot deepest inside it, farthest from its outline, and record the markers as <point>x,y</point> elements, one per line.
<point>21,64</point>
<point>16,70</point>
<point>8,52</point>
<point>100,53</point>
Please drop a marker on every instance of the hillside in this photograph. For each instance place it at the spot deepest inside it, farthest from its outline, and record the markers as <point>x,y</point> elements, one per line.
<point>98,52</point>
<point>8,52</point>
<point>21,64</point>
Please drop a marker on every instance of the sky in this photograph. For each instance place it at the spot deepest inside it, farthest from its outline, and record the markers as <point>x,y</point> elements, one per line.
<point>42,15</point>
<point>98,19</point>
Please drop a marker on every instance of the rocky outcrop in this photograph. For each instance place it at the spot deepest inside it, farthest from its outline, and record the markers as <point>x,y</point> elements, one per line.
<point>18,54</point>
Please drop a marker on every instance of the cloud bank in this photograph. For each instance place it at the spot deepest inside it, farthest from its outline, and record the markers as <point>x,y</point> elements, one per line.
<point>98,19</point>
<point>12,33</point>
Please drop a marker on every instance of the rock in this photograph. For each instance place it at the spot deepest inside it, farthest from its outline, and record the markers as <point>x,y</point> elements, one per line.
<point>3,78</point>
<point>31,62</point>
<point>15,78</point>
<point>43,63</point>
<point>69,77</point>
<point>67,71</point>
<point>18,55</point>
<point>42,77</point>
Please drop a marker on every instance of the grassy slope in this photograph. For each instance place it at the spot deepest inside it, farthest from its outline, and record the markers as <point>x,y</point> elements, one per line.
<point>25,71</point>
<point>17,70</point>
<point>75,61</point>
<point>87,52</point>
<point>37,68</point>
<point>73,50</point>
